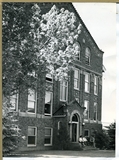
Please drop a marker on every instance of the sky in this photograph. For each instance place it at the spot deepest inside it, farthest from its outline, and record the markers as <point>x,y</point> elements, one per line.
<point>100,20</point>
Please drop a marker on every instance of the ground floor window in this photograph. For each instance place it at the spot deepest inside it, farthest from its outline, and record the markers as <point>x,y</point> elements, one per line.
<point>48,136</point>
<point>32,133</point>
<point>86,133</point>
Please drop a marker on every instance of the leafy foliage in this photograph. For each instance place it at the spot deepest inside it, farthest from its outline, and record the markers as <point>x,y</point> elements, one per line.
<point>11,131</point>
<point>101,140</point>
<point>111,132</point>
<point>33,42</point>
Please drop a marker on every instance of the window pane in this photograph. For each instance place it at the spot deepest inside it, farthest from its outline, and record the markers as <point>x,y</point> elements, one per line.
<point>63,90</point>
<point>47,140</point>
<point>31,140</point>
<point>48,77</point>
<point>31,131</point>
<point>13,102</point>
<point>31,95</point>
<point>86,133</point>
<point>48,99</point>
<point>31,105</point>
<point>76,74</point>
<point>87,77</point>
<point>86,111</point>
<point>75,83</point>
<point>75,118</point>
<point>86,87</point>
<point>47,131</point>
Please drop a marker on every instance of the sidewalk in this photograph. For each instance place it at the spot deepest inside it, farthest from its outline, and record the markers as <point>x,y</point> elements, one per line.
<point>66,154</point>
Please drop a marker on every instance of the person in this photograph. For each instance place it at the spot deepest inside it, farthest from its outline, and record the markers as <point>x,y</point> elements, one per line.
<point>92,140</point>
<point>81,142</point>
<point>84,141</point>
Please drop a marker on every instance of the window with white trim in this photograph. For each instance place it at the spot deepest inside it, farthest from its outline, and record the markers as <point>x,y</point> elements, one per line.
<point>48,103</point>
<point>86,132</point>
<point>31,101</point>
<point>49,78</point>
<point>87,82</point>
<point>63,90</point>
<point>32,135</point>
<point>76,79</point>
<point>87,56</point>
<point>48,136</point>
<point>95,85</point>
<point>95,111</point>
<point>86,111</point>
<point>14,102</point>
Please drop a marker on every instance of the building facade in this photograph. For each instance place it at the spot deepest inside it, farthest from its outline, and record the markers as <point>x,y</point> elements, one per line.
<point>74,103</point>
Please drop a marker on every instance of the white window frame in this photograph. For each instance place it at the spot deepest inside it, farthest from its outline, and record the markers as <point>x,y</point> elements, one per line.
<point>62,91</point>
<point>95,111</point>
<point>77,79</point>
<point>49,114</point>
<point>32,145</point>
<point>35,103</point>
<point>87,82</point>
<point>95,85</point>
<point>88,132</point>
<point>16,102</point>
<point>51,137</point>
<point>87,55</point>
<point>87,108</point>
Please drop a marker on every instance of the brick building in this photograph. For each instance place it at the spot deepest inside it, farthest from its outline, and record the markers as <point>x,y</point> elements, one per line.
<point>74,103</point>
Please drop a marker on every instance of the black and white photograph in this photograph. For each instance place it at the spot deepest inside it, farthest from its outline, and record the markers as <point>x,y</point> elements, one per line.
<point>59,79</point>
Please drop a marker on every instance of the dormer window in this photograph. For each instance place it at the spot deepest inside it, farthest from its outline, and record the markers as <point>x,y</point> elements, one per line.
<point>87,56</point>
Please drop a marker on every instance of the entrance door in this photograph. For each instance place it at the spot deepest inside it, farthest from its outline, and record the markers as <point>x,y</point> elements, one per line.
<point>75,128</point>
<point>74,132</point>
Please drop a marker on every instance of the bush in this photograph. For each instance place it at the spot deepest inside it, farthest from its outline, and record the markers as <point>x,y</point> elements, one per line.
<point>63,140</point>
<point>101,140</point>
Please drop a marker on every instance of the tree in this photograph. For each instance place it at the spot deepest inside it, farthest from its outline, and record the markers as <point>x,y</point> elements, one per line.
<point>111,132</point>
<point>33,42</point>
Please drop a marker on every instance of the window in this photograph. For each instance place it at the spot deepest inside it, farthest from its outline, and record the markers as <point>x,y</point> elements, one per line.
<point>31,101</point>
<point>87,56</point>
<point>95,111</point>
<point>76,79</point>
<point>86,133</point>
<point>86,111</point>
<point>49,78</point>
<point>32,133</point>
<point>78,50</point>
<point>63,90</point>
<point>14,102</point>
<point>48,103</point>
<point>95,85</point>
<point>48,137</point>
<point>59,125</point>
<point>87,82</point>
